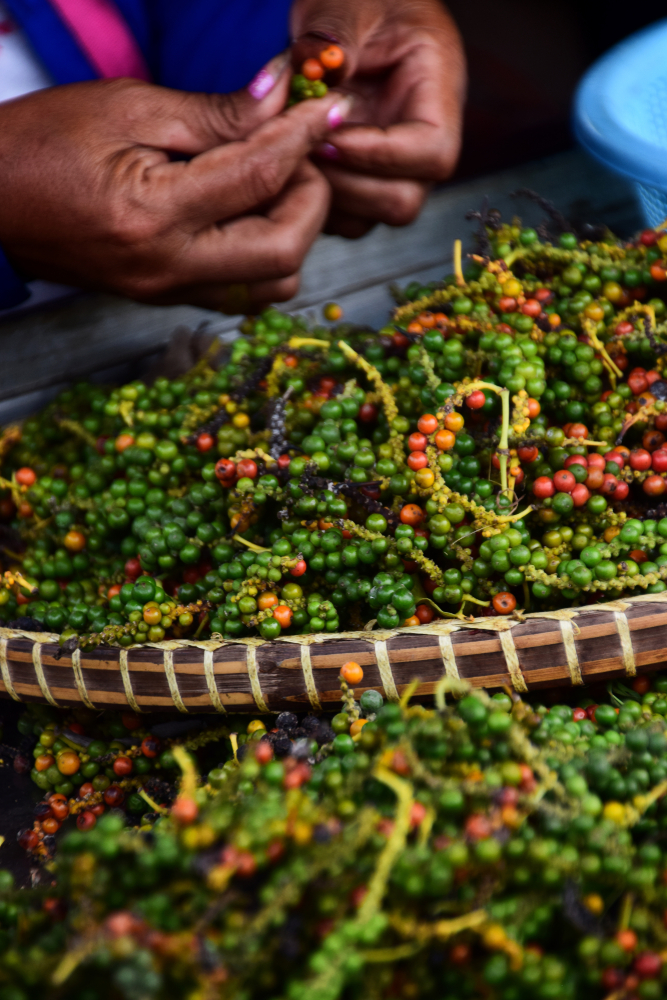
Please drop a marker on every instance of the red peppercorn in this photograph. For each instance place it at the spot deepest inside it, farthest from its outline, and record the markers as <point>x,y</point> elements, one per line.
<point>654,486</point>
<point>122,766</point>
<point>564,481</point>
<point>640,459</point>
<point>299,569</point>
<point>205,441</point>
<point>368,413</point>
<point>417,441</point>
<point>150,746</point>
<point>114,796</point>
<point>581,494</point>
<point>86,820</point>
<point>544,487</point>
<point>476,400</point>
<point>531,307</point>
<point>28,839</point>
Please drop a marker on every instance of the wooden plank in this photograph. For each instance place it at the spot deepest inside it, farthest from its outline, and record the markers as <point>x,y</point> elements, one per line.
<point>41,349</point>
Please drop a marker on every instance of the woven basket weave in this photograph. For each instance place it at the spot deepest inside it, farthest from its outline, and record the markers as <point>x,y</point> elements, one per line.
<point>564,647</point>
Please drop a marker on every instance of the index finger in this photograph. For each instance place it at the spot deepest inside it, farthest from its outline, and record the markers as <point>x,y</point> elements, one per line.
<point>425,143</point>
<point>229,181</point>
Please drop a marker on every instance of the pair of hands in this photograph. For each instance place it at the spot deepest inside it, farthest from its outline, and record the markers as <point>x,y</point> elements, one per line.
<point>214,200</point>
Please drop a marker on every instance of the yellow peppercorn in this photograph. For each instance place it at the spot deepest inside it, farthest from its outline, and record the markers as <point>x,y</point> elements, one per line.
<point>241,420</point>
<point>231,406</point>
<point>614,811</point>
<point>594,903</point>
<point>424,478</point>
<point>254,726</point>
<point>512,287</point>
<point>494,936</point>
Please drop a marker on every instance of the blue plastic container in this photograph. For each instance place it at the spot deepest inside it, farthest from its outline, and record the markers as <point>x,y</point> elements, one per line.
<point>620,115</point>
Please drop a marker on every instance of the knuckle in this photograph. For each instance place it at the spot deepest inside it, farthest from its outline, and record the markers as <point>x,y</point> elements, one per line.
<point>404,205</point>
<point>264,177</point>
<point>128,227</point>
<point>443,163</point>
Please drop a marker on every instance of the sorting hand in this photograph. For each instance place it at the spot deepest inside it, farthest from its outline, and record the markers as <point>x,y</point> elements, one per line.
<point>406,71</point>
<point>165,196</point>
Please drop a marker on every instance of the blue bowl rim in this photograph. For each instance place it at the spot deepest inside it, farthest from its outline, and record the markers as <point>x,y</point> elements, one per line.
<point>601,134</point>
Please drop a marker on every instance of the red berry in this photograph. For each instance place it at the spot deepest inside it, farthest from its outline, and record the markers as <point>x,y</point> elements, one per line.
<point>368,413</point>
<point>654,486</point>
<point>133,568</point>
<point>544,487</point>
<point>659,460</point>
<point>640,459</point>
<point>580,494</point>
<point>246,468</point>
<point>648,965</point>
<point>122,766</point>
<point>531,307</point>
<point>114,796</point>
<point>649,237</point>
<point>86,820</point>
<point>576,460</point>
<point>205,441</point>
<point>564,481</point>
<point>476,400</point>
<point>299,569</point>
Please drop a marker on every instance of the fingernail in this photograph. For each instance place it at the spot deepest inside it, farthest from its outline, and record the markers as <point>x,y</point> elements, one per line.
<point>268,76</point>
<point>328,151</point>
<point>339,112</point>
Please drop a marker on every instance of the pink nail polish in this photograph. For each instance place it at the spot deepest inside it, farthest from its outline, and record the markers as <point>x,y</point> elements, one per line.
<point>328,151</point>
<point>261,85</point>
<point>336,116</point>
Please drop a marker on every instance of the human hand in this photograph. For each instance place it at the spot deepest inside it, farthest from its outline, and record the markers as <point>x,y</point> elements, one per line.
<point>93,197</point>
<point>405,67</point>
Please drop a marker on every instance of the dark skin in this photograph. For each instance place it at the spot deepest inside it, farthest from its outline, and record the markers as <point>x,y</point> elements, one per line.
<point>405,66</point>
<point>92,196</point>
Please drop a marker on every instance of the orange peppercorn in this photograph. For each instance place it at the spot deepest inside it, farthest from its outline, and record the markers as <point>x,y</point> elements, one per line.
<point>283,615</point>
<point>445,440</point>
<point>68,762</point>
<point>124,441</point>
<point>351,672</point>
<point>312,69</point>
<point>44,762</point>
<point>504,603</point>
<point>75,541</point>
<point>415,327</point>
<point>427,423</point>
<point>50,825</point>
<point>152,615</point>
<point>26,476</point>
<point>332,57</point>
<point>357,726</point>
<point>454,422</point>
<point>412,514</point>
<point>266,600</point>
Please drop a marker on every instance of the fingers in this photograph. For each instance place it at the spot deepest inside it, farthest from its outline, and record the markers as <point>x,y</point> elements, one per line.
<point>235,299</point>
<point>338,21</point>
<point>378,199</point>
<point>233,179</point>
<point>257,248</point>
<point>420,135</point>
<point>191,123</point>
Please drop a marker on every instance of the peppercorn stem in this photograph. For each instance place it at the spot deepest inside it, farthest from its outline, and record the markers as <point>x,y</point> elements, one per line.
<point>162,810</point>
<point>458,271</point>
<point>251,545</point>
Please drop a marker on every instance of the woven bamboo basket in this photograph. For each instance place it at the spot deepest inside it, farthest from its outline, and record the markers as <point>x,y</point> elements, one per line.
<point>573,646</point>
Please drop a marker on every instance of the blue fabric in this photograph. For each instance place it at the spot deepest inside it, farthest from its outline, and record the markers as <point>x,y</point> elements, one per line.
<point>13,291</point>
<point>51,40</point>
<point>204,45</point>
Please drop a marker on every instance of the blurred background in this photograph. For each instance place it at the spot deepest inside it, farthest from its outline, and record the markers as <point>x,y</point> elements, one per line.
<point>524,61</point>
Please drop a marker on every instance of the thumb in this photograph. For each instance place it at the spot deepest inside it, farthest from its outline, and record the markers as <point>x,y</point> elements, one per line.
<point>209,120</point>
<point>236,177</point>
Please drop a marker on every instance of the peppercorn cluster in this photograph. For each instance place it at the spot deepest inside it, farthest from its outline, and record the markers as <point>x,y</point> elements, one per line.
<point>489,846</point>
<point>483,451</point>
